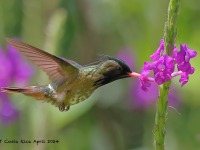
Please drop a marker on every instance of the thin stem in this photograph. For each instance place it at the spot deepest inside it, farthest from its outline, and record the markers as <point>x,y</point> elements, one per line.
<point>170,26</point>
<point>161,115</point>
<point>162,103</point>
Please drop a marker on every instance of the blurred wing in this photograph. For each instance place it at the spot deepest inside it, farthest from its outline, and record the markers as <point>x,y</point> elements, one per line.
<point>73,63</point>
<point>58,69</point>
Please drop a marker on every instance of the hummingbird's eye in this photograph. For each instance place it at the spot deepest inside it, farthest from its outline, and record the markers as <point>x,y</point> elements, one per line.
<point>118,68</point>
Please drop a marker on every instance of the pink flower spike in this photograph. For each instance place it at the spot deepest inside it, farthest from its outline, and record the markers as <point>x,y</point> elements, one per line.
<point>163,66</point>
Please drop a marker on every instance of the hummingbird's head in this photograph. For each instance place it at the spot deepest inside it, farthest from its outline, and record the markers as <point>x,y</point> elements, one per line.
<point>112,69</point>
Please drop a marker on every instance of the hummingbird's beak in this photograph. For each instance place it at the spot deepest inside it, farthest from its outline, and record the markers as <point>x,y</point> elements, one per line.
<point>134,74</point>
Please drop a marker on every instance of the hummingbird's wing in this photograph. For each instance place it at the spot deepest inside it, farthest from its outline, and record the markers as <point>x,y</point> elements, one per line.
<point>75,64</point>
<point>58,69</point>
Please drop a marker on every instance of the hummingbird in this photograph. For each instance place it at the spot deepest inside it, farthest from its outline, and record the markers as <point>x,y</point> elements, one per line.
<point>71,82</point>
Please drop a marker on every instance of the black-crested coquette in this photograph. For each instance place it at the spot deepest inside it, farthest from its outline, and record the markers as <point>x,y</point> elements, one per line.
<point>71,83</point>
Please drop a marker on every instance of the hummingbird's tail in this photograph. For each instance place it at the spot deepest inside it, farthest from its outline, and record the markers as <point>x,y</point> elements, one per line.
<point>16,89</point>
<point>34,91</point>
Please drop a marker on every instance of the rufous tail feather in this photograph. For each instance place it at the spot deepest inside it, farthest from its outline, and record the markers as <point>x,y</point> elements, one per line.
<point>33,91</point>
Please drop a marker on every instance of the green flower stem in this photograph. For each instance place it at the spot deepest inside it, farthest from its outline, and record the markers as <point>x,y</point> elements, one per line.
<point>162,103</point>
<point>170,26</point>
<point>161,116</point>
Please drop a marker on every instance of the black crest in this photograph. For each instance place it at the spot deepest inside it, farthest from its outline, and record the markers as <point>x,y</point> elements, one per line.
<point>121,63</point>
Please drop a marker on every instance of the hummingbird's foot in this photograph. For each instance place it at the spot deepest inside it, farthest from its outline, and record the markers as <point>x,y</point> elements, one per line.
<point>62,107</point>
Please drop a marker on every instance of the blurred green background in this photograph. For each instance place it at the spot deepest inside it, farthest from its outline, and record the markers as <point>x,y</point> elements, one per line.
<point>79,30</point>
